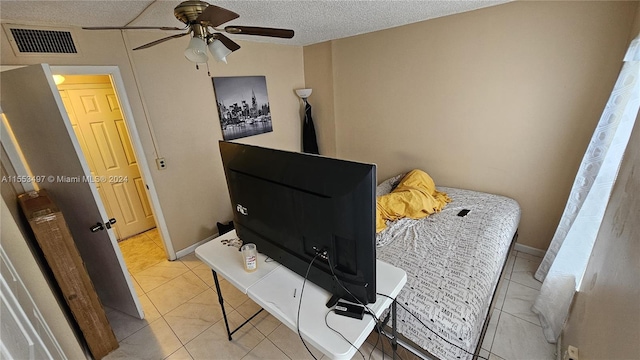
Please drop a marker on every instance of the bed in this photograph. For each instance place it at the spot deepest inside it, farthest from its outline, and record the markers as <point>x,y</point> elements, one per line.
<point>453,266</point>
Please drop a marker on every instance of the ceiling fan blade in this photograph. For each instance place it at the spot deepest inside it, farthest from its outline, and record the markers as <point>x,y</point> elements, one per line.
<point>160,41</point>
<point>261,31</point>
<point>131,28</point>
<point>230,44</point>
<point>216,16</point>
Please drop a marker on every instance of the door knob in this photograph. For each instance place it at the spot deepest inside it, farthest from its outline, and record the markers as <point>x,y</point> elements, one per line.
<point>97,227</point>
<point>109,223</point>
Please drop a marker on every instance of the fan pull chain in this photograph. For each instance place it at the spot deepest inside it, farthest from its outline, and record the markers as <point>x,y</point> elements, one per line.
<point>208,71</point>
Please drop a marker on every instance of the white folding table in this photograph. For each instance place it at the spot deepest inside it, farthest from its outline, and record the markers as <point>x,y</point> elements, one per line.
<point>277,290</point>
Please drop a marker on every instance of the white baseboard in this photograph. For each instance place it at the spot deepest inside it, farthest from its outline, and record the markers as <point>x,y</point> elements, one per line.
<point>193,247</point>
<point>529,250</point>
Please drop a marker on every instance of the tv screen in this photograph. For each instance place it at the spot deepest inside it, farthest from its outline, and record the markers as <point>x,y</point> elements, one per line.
<point>294,206</point>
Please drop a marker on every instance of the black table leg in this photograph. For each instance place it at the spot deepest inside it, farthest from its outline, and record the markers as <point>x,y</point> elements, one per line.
<point>224,313</point>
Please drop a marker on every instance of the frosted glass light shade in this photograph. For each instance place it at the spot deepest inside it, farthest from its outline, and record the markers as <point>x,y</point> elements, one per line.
<point>196,51</point>
<point>303,93</point>
<point>219,51</point>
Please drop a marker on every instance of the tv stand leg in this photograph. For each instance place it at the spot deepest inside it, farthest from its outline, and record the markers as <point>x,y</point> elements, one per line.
<point>334,300</point>
<point>224,313</point>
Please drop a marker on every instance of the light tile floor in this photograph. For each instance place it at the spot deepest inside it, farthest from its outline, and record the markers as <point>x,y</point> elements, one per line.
<point>514,330</point>
<point>183,319</point>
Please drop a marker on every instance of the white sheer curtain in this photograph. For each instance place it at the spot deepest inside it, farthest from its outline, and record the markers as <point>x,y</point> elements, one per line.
<point>566,259</point>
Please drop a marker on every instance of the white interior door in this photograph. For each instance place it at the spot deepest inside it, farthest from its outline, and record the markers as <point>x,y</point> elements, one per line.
<point>37,118</point>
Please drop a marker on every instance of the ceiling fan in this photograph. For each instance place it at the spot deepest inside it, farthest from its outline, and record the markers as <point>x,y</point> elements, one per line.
<point>202,20</point>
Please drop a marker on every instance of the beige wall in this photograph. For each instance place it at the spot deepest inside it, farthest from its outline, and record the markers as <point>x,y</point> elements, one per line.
<point>635,29</point>
<point>502,99</point>
<point>182,106</point>
<point>318,75</point>
<point>181,110</point>
<point>604,322</point>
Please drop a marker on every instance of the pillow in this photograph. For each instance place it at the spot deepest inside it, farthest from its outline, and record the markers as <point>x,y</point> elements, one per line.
<point>388,185</point>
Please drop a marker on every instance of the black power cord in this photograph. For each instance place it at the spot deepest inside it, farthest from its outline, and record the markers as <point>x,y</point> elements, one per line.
<point>378,322</point>
<point>300,305</point>
<point>375,318</point>
<point>339,333</point>
<point>368,310</point>
<point>425,325</point>
<point>321,253</point>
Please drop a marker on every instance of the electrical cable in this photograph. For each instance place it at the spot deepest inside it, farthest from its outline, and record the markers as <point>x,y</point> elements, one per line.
<point>375,318</point>
<point>339,333</point>
<point>145,110</point>
<point>380,332</point>
<point>375,346</point>
<point>382,342</point>
<point>349,292</point>
<point>425,325</point>
<point>368,310</point>
<point>141,12</point>
<point>300,305</point>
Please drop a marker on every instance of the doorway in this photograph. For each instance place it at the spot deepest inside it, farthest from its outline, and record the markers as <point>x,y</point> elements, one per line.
<point>41,136</point>
<point>117,84</point>
<point>98,123</point>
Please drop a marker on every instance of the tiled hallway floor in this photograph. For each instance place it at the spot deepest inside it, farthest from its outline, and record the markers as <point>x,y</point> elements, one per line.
<point>183,319</point>
<point>143,250</point>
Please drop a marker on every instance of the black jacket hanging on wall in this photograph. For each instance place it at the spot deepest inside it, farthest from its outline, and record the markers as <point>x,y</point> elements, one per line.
<point>309,141</point>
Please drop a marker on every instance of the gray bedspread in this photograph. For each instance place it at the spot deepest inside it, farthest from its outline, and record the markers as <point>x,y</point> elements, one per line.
<point>453,265</point>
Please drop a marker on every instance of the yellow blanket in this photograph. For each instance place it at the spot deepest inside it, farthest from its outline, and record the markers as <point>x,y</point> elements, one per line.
<point>415,197</point>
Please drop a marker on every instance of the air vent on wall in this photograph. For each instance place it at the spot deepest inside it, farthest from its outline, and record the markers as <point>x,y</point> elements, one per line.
<point>30,40</point>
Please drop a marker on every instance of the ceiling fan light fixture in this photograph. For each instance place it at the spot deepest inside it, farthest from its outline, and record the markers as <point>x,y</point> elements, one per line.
<point>197,50</point>
<point>202,21</point>
<point>219,51</point>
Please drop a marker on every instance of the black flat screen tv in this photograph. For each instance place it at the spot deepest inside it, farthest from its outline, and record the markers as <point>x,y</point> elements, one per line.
<point>294,206</point>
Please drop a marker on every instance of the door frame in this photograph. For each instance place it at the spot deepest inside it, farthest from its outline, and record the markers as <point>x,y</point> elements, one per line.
<point>127,113</point>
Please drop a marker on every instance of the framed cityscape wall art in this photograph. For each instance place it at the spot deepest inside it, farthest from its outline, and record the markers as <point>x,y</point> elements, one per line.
<point>243,106</point>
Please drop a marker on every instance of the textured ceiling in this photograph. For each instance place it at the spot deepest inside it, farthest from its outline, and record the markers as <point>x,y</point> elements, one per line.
<point>313,21</point>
